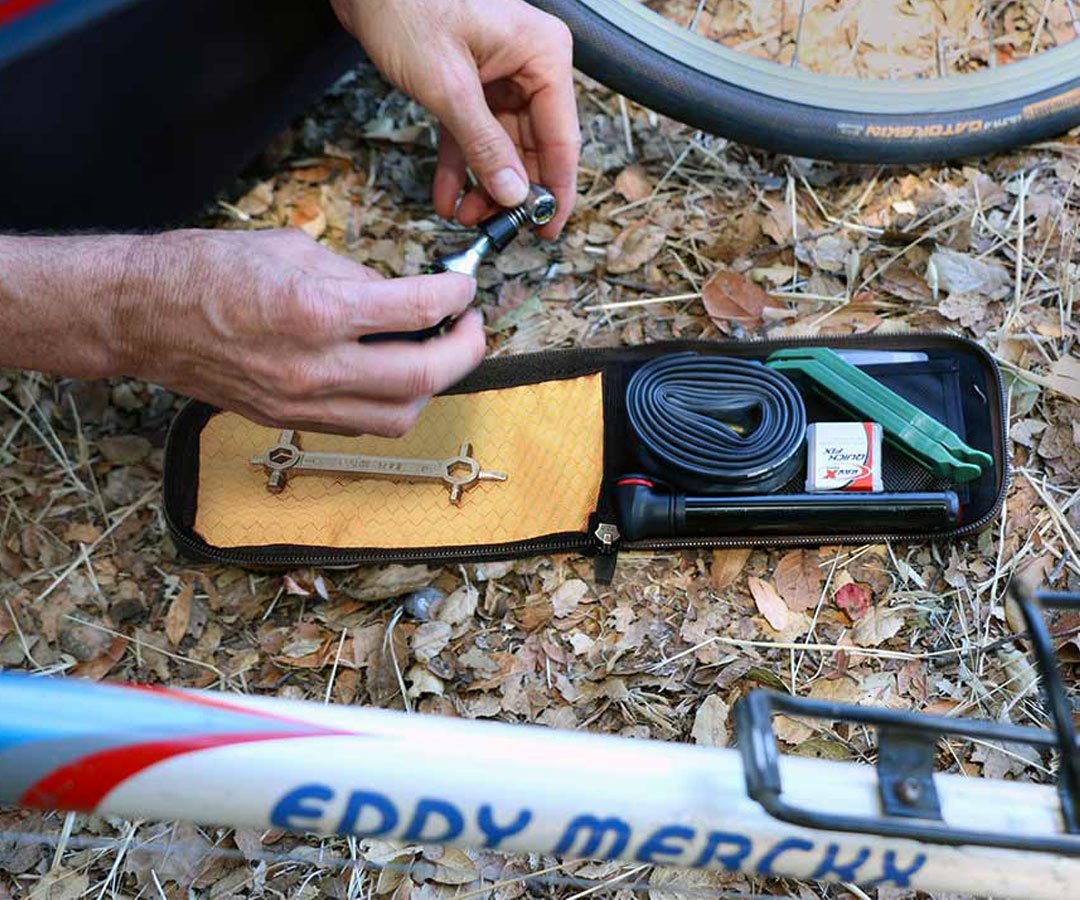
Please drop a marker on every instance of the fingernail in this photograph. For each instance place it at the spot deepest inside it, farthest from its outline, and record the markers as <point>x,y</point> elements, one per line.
<point>508,188</point>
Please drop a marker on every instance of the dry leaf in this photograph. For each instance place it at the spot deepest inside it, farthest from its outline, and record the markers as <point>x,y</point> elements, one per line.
<point>636,245</point>
<point>798,623</point>
<point>878,625</point>
<point>294,587</point>
<point>308,216</point>
<point>429,640</point>
<point>622,617</point>
<point>1022,680</point>
<point>303,646</point>
<point>791,731</point>
<point>769,603</point>
<point>966,307</point>
<point>824,747</point>
<point>393,581</point>
<point>997,763</point>
<point>798,579</point>
<point>96,669</point>
<point>249,842</point>
<point>854,599</point>
<point>393,862</point>
<point>493,571</point>
<point>872,567</point>
<point>175,852</point>
<point>312,174</point>
<point>1025,431</point>
<point>422,682</point>
<point>581,643</point>
<point>677,884</point>
<point>11,564</point>
<point>534,614</point>
<point>125,449</point>
<point>178,617</point>
<point>778,223</point>
<point>832,253</point>
<point>835,690</point>
<point>1014,617</point>
<point>1057,441</point>
<point>726,565</point>
<point>81,533</point>
<point>710,723</point>
<point>519,258</point>
<point>960,273</point>
<point>383,129</point>
<point>1065,377</point>
<point>61,884</point>
<point>955,574</point>
<point>567,596</point>
<point>258,200</point>
<point>731,296</point>
<point>388,659</point>
<point>459,606</point>
<point>839,690</point>
<point>454,867</point>
<point>633,184</point>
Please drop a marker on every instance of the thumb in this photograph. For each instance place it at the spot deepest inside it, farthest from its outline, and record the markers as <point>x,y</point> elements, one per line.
<point>489,151</point>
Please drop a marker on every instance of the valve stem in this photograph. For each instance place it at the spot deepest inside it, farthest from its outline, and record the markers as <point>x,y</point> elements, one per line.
<point>497,231</point>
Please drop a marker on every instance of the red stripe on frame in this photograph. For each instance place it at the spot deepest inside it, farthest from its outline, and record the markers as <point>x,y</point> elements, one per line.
<point>13,9</point>
<point>81,785</point>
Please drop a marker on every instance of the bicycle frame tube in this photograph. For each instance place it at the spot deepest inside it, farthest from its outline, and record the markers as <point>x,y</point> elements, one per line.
<point>241,761</point>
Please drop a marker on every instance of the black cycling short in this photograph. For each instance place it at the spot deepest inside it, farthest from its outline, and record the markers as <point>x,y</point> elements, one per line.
<point>125,114</point>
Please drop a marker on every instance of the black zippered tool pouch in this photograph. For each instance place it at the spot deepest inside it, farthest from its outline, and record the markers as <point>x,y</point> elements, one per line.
<point>557,423</point>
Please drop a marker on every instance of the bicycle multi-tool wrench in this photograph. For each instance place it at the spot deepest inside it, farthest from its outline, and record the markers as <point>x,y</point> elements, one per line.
<point>458,473</point>
<point>496,233</point>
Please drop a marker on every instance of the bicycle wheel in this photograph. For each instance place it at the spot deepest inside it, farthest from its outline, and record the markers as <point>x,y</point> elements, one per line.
<point>668,68</point>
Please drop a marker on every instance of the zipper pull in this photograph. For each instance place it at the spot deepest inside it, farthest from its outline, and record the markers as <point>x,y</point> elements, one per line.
<point>607,538</point>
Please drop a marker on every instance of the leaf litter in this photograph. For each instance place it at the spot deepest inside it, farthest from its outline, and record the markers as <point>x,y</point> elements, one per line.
<point>719,237</point>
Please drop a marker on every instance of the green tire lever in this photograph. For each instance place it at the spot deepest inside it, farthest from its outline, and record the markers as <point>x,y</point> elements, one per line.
<point>907,428</point>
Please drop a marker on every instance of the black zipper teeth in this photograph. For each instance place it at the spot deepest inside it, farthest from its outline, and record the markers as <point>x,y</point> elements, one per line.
<point>536,546</point>
<point>358,557</point>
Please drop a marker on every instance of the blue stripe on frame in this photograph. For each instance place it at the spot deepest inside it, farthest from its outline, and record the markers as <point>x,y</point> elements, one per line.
<point>38,709</point>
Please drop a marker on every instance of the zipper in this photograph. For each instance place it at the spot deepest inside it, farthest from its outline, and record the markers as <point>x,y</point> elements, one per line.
<point>348,558</point>
<point>604,541</point>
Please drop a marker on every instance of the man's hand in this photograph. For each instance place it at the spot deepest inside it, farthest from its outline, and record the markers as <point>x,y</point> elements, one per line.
<point>498,76</point>
<point>266,323</point>
<point>263,323</point>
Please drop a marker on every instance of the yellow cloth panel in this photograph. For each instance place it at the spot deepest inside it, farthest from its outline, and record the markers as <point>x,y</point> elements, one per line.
<point>547,437</point>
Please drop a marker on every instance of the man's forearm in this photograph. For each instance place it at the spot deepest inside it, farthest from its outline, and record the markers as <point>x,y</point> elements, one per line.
<point>263,323</point>
<point>59,303</point>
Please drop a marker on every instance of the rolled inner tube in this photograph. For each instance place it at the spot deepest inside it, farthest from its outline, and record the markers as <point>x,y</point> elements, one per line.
<point>716,424</point>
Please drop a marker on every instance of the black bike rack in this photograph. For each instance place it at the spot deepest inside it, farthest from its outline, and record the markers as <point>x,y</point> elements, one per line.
<point>907,746</point>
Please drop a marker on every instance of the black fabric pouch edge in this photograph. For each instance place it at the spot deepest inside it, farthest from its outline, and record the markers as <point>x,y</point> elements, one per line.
<point>601,539</point>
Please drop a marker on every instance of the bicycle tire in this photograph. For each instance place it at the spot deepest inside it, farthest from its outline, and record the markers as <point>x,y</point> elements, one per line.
<point>708,86</point>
